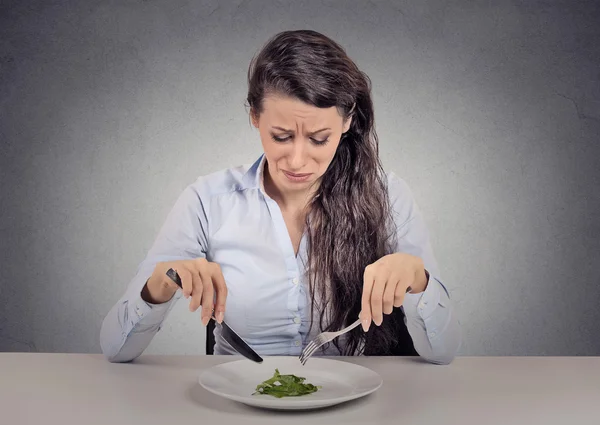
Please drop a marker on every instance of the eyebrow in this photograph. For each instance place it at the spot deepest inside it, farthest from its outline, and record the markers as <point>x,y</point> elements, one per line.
<point>290,131</point>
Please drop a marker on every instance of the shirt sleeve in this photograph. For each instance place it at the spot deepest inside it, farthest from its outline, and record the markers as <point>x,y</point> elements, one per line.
<point>429,315</point>
<point>131,323</point>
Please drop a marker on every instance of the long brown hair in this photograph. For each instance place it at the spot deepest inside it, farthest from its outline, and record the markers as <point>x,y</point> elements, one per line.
<point>349,220</point>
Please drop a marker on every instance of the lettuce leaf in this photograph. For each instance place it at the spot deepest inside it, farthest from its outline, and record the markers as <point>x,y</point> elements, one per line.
<point>285,386</point>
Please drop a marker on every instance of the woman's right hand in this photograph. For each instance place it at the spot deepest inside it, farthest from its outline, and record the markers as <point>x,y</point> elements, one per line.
<point>200,280</point>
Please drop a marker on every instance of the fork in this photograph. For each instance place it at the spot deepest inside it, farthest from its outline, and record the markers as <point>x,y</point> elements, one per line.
<point>323,338</point>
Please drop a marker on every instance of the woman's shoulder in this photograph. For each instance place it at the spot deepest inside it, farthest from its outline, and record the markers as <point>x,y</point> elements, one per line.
<point>223,181</point>
<point>400,196</point>
<point>397,187</point>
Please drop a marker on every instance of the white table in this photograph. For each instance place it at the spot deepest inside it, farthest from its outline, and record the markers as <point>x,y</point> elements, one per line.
<point>82,389</point>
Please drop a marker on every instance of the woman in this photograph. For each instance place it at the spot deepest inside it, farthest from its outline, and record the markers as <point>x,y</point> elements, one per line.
<point>310,237</point>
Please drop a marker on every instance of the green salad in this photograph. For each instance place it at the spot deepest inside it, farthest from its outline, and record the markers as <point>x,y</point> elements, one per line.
<point>285,386</point>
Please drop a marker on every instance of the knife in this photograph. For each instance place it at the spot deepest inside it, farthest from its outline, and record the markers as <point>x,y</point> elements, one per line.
<point>227,333</point>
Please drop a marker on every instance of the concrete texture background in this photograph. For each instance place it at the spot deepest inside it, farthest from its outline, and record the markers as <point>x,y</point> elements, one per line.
<point>490,111</point>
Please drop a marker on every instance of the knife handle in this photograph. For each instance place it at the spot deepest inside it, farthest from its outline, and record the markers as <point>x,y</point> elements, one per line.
<point>174,277</point>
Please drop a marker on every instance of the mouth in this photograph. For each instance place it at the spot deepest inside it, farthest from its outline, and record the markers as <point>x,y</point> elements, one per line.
<point>295,177</point>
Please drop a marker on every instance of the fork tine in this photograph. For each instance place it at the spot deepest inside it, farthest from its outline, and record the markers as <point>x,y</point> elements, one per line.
<point>308,356</point>
<point>311,351</point>
<point>307,349</point>
<point>310,348</point>
<point>303,353</point>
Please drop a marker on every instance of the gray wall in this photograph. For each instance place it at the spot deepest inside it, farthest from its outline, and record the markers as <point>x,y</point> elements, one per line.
<point>490,111</point>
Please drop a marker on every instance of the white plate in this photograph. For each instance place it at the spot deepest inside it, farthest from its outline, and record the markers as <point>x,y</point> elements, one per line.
<point>340,381</point>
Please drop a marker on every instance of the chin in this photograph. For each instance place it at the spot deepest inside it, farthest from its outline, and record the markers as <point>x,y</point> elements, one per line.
<point>296,185</point>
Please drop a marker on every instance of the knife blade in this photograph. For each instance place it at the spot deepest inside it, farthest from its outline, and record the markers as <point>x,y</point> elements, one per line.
<point>238,343</point>
<point>227,333</point>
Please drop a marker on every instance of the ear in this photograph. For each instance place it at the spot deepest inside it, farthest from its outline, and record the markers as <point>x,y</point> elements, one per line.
<point>347,123</point>
<point>253,118</point>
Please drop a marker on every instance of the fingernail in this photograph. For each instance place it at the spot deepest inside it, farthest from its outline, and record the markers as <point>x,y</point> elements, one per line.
<point>205,320</point>
<point>365,324</point>
<point>220,316</point>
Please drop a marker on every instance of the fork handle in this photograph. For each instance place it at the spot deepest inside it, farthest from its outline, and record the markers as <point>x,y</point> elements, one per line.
<point>349,328</point>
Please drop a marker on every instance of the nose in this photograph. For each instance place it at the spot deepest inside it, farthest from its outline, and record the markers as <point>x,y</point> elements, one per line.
<point>297,158</point>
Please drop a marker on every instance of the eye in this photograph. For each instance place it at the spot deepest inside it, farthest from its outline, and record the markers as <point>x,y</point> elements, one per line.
<point>319,142</point>
<point>280,138</point>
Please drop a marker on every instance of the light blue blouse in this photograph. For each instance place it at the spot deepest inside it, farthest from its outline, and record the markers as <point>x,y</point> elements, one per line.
<point>228,218</point>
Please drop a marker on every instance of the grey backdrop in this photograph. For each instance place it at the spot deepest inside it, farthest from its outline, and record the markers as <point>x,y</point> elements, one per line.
<point>490,111</point>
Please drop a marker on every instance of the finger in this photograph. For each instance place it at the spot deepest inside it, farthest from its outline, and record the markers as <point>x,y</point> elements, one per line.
<point>208,294</point>
<point>389,295</point>
<point>377,297</point>
<point>401,288</point>
<point>200,266</point>
<point>187,284</point>
<point>196,291</point>
<point>366,298</point>
<point>221,289</point>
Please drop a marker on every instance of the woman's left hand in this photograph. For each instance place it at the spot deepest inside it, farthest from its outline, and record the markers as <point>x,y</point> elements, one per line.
<point>385,283</point>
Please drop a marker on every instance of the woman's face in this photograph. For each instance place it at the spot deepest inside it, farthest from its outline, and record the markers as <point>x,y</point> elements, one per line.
<point>299,140</point>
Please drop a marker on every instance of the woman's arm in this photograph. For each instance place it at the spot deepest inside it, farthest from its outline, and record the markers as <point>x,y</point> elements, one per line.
<point>132,322</point>
<point>429,315</point>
